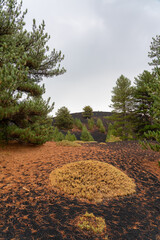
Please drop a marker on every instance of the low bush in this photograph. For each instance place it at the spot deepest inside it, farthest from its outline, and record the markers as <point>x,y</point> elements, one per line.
<point>113,138</point>
<point>70,137</point>
<point>85,135</point>
<point>111,134</point>
<point>57,135</point>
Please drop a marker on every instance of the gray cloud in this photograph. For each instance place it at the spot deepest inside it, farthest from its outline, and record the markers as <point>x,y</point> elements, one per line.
<point>101,40</point>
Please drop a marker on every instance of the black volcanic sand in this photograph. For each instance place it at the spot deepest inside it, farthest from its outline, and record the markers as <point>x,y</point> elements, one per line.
<point>42,214</point>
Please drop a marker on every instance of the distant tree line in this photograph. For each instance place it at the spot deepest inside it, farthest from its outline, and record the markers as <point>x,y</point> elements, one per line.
<point>136,109</point>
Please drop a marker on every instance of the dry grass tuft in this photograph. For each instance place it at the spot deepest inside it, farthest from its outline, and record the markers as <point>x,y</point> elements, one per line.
<point>92,180</point>
<point>89,222</point>
<point>113,139</point>
<point>68,143</point>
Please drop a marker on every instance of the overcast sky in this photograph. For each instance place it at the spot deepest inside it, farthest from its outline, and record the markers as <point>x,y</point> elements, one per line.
<point>101,39</point>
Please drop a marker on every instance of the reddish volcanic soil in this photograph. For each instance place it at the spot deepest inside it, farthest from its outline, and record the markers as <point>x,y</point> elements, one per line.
<point>31,209</point>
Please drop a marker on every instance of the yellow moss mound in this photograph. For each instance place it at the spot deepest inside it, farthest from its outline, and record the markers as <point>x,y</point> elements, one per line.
<point>92,180</point>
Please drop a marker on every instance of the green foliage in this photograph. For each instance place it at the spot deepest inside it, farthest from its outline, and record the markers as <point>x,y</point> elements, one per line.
<point>23,64</point>
<point>100,125</point>
<point>70,137</point>
<point>122,96</point>
<point>154,53</point>
<point>113,138</point>
<point>122,103</point>
<point>151,135</point>
<point>91,123</point>
<point>154,92</point>
<point>143,103</point>
<point>63,119</point>
<point>110,132</point>
<point>78,123</point>
<point>87,112</point>
<point>85,135</point>
<point>57,135</point>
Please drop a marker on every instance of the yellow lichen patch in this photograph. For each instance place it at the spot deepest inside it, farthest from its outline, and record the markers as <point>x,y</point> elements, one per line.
<point>92,180</point>
<point>89,222</point>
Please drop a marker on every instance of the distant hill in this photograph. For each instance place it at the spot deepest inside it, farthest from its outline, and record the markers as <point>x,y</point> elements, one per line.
<point>97,135</point>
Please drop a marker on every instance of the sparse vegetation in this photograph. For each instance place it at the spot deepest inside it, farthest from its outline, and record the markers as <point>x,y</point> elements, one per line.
<point>92,180</point>
<point>89,222</point>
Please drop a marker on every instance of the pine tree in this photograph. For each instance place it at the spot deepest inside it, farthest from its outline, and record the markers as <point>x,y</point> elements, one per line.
<point>122,104</point>
<point>23,64</point>
<point>155,94</point>
<point>63,119</point>
<point>143,103</point>
<point>154,53</point>
<point>154,135</point>
<point>85,135</point>
<point>87,112</point>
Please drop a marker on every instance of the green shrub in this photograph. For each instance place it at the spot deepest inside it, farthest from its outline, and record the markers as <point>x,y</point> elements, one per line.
<point>110,131</point>
<point>113,138</point>
<point>70,137</point>
<point>87,112</point>
<point>85,135</point>
<point>63,119</point>
<point>102,129</point>
<point>99,122</point>
<point>78,123</point>
<point>112,134</point>
<point>100,125</point>
<point>91,123</point>
<point>57,135</point>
